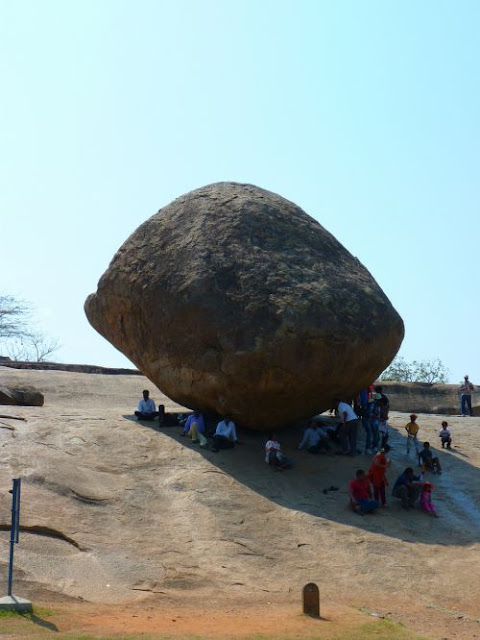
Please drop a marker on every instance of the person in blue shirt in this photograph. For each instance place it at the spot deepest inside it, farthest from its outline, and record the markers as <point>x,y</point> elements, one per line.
<point>195,428</point>
<point>407,488</point>
<point>427,460</point>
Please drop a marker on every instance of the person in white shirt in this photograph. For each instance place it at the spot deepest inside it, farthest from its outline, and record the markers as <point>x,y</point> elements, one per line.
<point>146,407</point>
<point>315,438</point>
<point>225,435</point>
<point>445,435</point>
<point>348,428</point>
<point>274,455</point>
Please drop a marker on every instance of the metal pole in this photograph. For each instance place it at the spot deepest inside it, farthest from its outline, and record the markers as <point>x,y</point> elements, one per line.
<point>14,529</point>
<point>17,519</point>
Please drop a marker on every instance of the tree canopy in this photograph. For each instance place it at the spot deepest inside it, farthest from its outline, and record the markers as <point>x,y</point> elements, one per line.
<point>432,371</point>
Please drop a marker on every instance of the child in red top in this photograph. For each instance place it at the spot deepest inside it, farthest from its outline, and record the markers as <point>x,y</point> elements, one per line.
<point>377,474</point>
<point>361,494</point>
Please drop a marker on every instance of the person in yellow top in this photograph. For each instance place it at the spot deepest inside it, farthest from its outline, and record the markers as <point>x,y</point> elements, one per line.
<point>412,430</point>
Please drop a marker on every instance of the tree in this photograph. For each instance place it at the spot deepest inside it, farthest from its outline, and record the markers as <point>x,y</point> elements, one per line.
<point>14,317</point>
<point>432,371</point>
<point>17,335</point>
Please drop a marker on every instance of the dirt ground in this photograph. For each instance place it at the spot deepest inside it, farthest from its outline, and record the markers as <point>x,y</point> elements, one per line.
<point>128,530</point>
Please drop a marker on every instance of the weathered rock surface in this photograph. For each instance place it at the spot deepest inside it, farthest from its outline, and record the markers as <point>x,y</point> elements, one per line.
<point>233,299</point>
<point>116,511</point>
<point>423,397</point>
<point>21,397</point>
<point>73,368</point>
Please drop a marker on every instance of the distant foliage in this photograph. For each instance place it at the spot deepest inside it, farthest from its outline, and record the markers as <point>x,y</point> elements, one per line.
<point>18,337</point>
<point>432,371</point>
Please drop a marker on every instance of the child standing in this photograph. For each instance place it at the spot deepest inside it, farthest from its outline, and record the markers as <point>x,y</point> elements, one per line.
<point>377,475</point>
<point>445,435</point>
<point>412,430</point>
<point>426,503</point>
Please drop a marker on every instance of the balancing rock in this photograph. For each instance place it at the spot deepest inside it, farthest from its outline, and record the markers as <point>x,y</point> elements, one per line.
<point>232,299</point>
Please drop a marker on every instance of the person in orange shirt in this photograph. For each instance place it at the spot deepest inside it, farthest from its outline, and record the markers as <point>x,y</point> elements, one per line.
<point>412,433</point>
<point>377,474</point>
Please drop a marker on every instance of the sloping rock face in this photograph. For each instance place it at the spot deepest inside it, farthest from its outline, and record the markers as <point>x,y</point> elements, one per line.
<point>232,299</point>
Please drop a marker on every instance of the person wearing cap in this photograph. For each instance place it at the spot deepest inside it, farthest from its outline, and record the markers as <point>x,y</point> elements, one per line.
<point>466,389</point>
<point>412,431</point>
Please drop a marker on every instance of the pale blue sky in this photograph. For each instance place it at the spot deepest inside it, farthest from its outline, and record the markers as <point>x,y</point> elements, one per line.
<point>366,114</point>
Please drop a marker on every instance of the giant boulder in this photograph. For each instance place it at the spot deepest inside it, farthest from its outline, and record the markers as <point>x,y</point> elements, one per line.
<point>232,299</point>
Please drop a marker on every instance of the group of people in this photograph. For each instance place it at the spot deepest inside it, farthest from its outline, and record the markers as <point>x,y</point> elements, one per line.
<point>368,489</point>
<point>225,436</point>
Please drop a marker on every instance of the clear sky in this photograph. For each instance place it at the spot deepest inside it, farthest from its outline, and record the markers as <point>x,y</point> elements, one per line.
<point>364,113</point>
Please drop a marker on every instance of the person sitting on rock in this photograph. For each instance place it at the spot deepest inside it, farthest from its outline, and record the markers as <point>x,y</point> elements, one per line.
<point>361,494</point>
<point>194,428</point>
<point>427,460</point>
<point>274,455</point>
<point>146,407</point>
<point>407,488</point>
<point>315,439</point>
<point>445,435</point>
<point>225,436</point>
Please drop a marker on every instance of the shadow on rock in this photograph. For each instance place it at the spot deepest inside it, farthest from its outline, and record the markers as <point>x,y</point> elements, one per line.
<point>311,486</point>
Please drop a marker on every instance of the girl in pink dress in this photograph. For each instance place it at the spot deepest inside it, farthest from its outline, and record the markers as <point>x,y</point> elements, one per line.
<point>426,503</point>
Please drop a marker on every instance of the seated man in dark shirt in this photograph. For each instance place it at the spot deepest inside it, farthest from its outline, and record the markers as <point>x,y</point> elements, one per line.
<point>407,488</point>
<point>427,460</point>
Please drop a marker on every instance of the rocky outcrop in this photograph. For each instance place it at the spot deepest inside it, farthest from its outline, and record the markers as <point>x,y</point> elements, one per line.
<point>232,299</point>
<point>21,397</point>
<point>73,368</point>
<point>423,397</point>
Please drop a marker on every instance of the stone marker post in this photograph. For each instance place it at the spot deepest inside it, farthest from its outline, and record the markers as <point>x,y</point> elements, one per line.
<point>311,600</point>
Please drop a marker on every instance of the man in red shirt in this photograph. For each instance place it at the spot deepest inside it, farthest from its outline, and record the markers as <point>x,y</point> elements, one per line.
<point>361,494</point>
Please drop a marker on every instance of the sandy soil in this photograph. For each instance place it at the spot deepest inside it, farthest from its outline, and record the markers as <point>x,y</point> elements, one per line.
<point>117,512</point>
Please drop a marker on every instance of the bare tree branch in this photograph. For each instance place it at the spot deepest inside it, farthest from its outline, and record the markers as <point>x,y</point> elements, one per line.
<point>14,317</point>
<point>17,336</point>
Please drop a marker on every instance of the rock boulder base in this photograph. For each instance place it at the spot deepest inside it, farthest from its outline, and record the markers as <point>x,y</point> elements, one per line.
<point>232,299</point>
